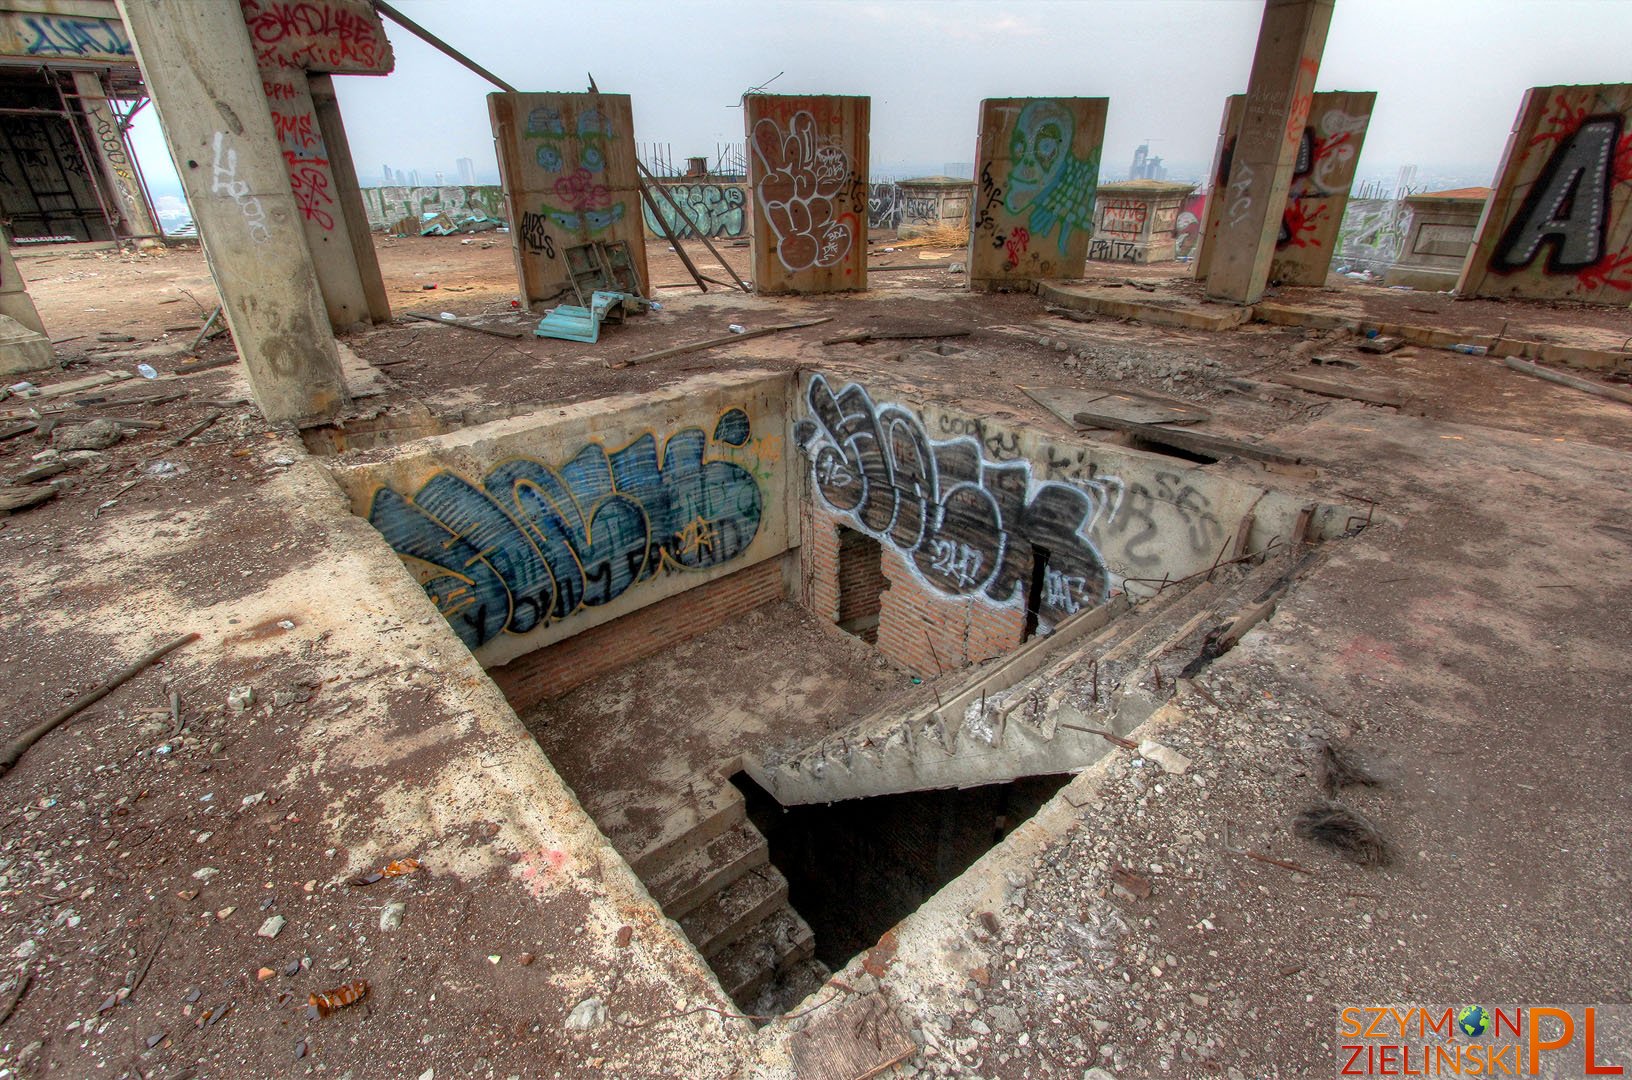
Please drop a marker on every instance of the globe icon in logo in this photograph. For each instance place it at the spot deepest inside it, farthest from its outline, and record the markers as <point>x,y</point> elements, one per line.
<point>1473,1020</point>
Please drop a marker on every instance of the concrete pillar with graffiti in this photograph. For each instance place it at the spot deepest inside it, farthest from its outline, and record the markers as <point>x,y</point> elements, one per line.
<point>1558,225</point>
<point>807,182</point>
<point>568,164</point>
<point>1252,197</point>
<point>1037,170</point>
<point>1322,173</point>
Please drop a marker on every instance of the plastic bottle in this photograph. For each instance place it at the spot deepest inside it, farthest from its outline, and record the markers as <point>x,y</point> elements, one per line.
<point>146,371</point>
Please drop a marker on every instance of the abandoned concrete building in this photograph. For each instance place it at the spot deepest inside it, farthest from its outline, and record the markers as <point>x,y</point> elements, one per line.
<point>756,621</point>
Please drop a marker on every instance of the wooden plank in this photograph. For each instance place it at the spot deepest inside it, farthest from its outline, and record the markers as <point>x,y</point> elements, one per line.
<point>464,325</point>
<point>853,1040</point>
<point>711,343</point>
<point>1584,385</point>
<point>568,164</point>
<point>1323,173</point>
<point>1194,442</point>
<point>1326,388</point>
<point>807,184</point>
<point>1037,160</point>
<point>1566,147</point>
<point>1067,402</point>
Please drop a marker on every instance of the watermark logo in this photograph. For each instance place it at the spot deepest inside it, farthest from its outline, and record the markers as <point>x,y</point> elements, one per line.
<point>1484,1040</point>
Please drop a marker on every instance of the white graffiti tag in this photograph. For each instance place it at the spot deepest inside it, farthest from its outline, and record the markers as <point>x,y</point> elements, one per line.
<point>224,181</point>
<point>1063,591</point>
<point>802,178</point>
<point>959,562</point>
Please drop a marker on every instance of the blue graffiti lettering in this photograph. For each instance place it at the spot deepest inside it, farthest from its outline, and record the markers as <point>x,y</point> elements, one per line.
<point>536,544</point>
<point>59,36</point>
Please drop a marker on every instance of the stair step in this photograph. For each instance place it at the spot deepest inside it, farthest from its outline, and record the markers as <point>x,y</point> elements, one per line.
<point>694,876</point>
<point>778,942</point>
<point>729,914</point>
<point>682,829</point>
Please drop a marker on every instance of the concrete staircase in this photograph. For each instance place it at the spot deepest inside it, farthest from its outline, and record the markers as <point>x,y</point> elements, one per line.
<point>715,879</point>
<point>1024,714</point>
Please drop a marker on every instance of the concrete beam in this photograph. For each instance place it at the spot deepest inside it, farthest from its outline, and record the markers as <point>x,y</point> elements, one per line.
<point>349,197</point>
<point>200,69</point>
<point>1280,90</point>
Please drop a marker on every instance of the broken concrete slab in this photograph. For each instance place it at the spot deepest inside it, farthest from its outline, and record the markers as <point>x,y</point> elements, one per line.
<point>23,350</point>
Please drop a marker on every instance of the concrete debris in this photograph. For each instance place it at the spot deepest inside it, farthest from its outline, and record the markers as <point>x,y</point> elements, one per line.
<point>587,1015</point>
<point>272,927</point>
<point>1169,759</point>
<point>240,698</point>
<point>391,915</point>
<point>96,435</point>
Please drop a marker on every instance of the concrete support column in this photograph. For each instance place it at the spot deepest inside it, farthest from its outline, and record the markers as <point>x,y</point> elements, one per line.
<point>1279,91</point>
<point>349,196</point>
<point>317,196</point>
<point>113,157</point>
<point>200,70</point>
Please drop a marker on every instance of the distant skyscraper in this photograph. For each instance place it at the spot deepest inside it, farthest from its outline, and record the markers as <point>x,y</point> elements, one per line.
<point>413,177</point>
<point>386,172</point>
<point>1146,167</point>
<point>467,172</point>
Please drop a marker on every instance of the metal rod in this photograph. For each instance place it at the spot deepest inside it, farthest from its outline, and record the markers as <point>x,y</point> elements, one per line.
<point>697,226</point>
<point>441,46</point>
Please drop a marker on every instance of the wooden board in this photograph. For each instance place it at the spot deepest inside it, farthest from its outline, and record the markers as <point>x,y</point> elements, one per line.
<point>807,182</point>
<point>1558,225</point>
<point>1327,388</point>
<point>1192,442</point>
<point>568,165</point>
<point>1328,154</point>
<point>1037,160</point>
<point>1068,403</point>
<point>853,1040</point>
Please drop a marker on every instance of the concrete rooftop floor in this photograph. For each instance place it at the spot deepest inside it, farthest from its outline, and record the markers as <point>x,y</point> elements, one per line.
<point>1470,645</point>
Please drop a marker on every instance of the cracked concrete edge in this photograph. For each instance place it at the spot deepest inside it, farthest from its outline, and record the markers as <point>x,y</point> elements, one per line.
<point>926,959</point>
<point>491,770</point>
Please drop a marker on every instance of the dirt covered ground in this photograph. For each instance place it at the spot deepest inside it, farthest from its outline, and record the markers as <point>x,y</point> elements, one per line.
<point>1470,647</point>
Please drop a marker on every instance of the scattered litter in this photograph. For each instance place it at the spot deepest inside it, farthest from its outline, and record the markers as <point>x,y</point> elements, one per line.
<point>24,387</point>
<point>1470,350</point>
<point>286,624</point>
<point>737,328</point>
<point>165,469</point>
<point>323,1004</point>
<point>147,371</point>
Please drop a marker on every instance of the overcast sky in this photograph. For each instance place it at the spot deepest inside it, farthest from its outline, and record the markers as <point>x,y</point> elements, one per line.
<point>1449,73</point>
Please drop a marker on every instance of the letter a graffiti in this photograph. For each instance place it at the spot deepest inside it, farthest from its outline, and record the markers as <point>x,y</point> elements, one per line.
<point>1569,204</point>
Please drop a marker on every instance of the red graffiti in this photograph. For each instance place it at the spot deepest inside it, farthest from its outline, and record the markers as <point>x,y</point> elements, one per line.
<point>311,189</point>
<point>580,191</point>
<point>1299,223</point>
<point>1018,241</point>
<point>1561,123</point>
<point>312,36</point>
<point>278,91</point>
<point>1601,274</point>
<point>295,132</point>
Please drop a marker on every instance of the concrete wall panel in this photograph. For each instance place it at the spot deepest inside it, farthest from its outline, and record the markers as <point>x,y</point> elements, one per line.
<point>807,174</point>
<point>568,162</point>
<point>1558,225</point>
<point>529,530</point>
<point>1037,160</point>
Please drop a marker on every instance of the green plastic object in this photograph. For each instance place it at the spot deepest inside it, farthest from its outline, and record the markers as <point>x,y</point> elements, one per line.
<point>569,322</point>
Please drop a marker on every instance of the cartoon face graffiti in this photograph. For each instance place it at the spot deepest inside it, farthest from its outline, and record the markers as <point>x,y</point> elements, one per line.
<point>581,203</point>
<point>1046,181</point>
<point>1037,151</point>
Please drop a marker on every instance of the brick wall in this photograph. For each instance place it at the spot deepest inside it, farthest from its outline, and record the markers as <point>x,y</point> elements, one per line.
<point>861,583</point>
<point>919,626</point>
<point>551,672</point>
